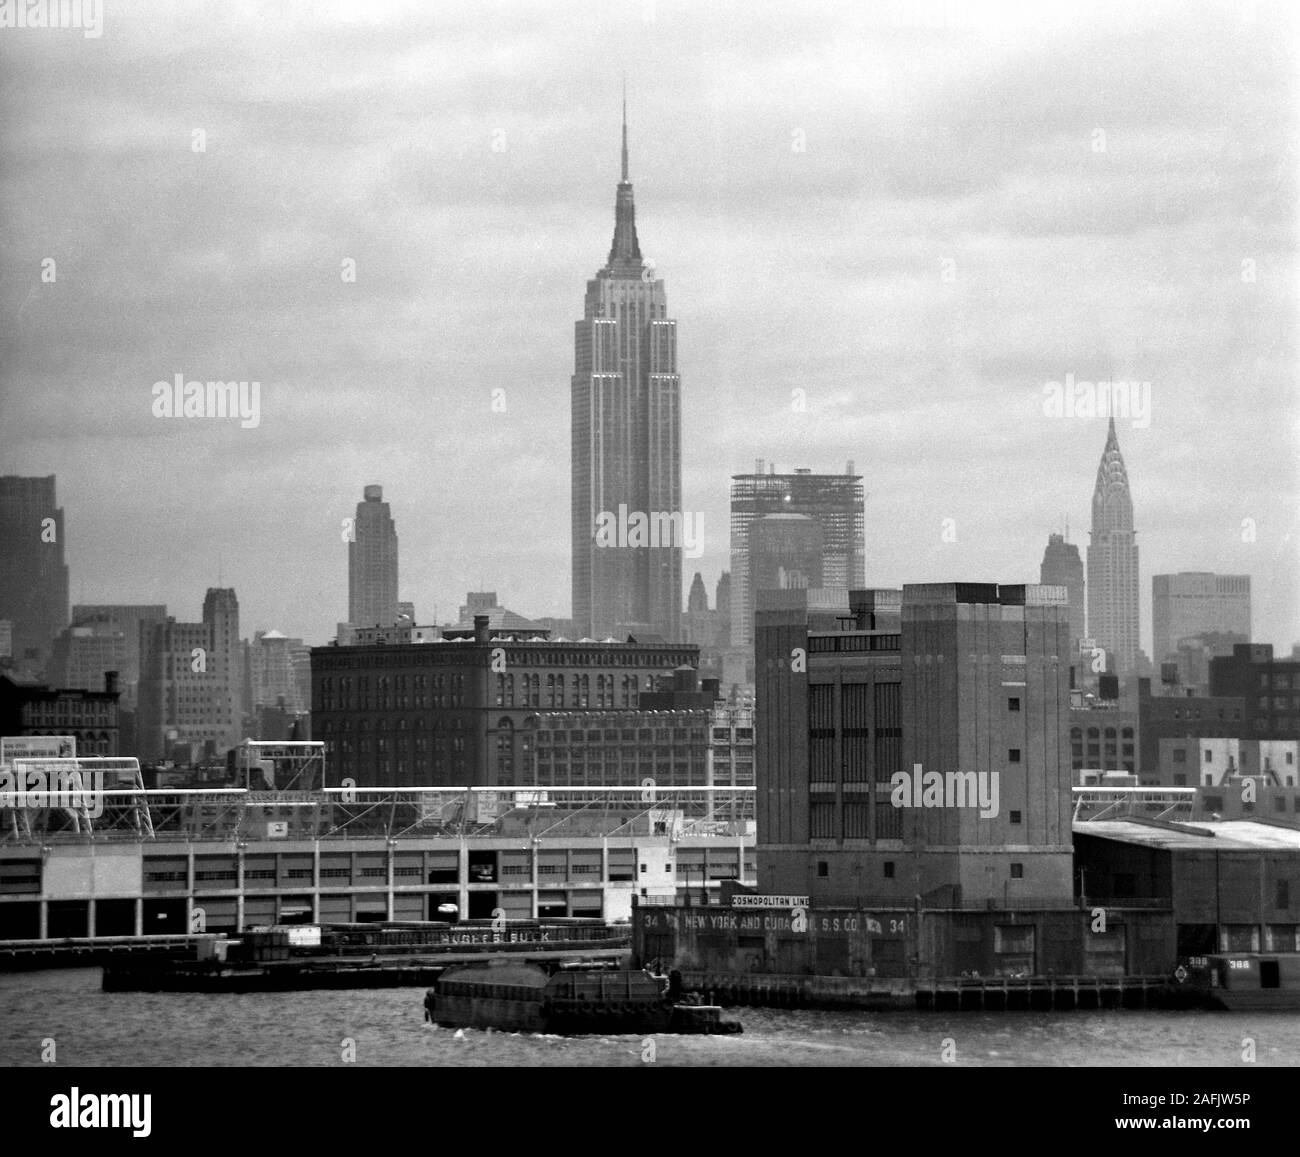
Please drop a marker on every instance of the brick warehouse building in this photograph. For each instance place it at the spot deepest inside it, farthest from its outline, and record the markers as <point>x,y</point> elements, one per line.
<point>956,677</point>
<point>462,711</point>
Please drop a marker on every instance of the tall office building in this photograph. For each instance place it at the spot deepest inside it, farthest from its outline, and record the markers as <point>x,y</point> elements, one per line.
<point>1062,567</point>
<point>698,600</point>
<point>1113,563</point>
<point>722,596</point>
<point>1192,604</point>
<point>626,443</point>
<point>33,573</point>
<point>191,684</point>
<point>372,563</point>
<point>103,637</point>
<point>785,552</point>
<point>834,501</point>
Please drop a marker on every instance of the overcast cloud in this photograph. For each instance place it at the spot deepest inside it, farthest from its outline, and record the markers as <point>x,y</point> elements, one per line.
<point>975,211</point>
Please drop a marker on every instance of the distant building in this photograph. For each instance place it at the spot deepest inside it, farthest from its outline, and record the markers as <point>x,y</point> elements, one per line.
<point>697,601</point>
<point>499,618</point>
<point>1195,604</point>
<point>702,626</point>
<point>1186,671</point>
<point>89,716</point>
<point>1269,689</point>
<point>1062,567</point>
<point>722,597</point>
<point>280,672</point>
<point>463,711</point>
<point>1162,717</point>
<point>1217,761</point>
<point>191,684</point>
<point>1113,564</point>
<point>785,553</point>
<point>33,573</point>
<point>835,502</point>
<point>621,748</point>
<point>1104,737</point>
<point>372,563</point>
<point>855,710</point>
<point>102,638</point>
<point>731,743</point>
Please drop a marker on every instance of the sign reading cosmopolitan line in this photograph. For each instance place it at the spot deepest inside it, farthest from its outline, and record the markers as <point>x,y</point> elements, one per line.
<point>746,901</point>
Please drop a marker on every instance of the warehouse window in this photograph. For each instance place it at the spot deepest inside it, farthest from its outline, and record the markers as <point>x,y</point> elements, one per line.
<point>823,869</point>
<point>889,869</point>
<point>1017,871</point>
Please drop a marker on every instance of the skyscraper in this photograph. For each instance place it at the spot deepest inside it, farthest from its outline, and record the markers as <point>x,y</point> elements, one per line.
<point>372,563</point>
<point>834,501</point>
<point>785,552</point>
<point>1062,567</point>
<point>33,574</point>
<point>1193,604</point>
<point>191,683</point>
<point>626,443</point>
<point>698,600</point>
<point>1113,563</point>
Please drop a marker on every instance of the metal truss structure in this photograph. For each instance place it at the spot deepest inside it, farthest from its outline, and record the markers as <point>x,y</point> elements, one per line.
<point>235,815</point>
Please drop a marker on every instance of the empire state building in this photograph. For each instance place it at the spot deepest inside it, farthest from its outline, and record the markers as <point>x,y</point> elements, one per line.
<point>626,439</point>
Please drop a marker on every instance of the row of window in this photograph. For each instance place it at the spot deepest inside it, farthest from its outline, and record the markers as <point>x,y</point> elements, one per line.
<point>889,870</point>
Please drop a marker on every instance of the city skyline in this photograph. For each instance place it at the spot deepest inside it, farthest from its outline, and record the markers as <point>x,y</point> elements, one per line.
<point>1042,219</point>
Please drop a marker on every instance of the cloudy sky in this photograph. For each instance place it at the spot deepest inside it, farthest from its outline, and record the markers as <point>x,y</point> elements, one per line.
<point>918,214</point>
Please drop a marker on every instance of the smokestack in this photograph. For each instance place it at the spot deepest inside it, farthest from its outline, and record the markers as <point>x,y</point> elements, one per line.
<point>480,628</point>
<point>758,465</point>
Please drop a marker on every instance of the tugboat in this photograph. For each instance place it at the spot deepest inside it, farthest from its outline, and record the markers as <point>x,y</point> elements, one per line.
<point>518,997</point>
<point>1243,980</point>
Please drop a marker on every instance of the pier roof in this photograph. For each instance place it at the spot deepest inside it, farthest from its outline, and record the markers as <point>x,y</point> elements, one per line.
<point>1218,835</point>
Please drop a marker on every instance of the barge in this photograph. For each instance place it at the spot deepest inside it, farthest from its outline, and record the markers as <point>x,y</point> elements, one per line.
<point>515,996</point>
<point>1243,981</point>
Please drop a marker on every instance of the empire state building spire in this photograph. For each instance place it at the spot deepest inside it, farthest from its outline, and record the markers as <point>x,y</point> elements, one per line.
<point>625,252</point>
<point>625,132</point>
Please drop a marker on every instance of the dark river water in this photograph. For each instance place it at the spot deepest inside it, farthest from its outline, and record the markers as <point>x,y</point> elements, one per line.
<point>90,1027</point>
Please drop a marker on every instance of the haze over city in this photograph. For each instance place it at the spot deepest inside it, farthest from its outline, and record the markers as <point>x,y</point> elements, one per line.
<point>1107,194</point>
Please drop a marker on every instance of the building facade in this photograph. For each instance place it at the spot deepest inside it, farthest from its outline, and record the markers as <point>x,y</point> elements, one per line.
<point>1062,567</point>
<point>372,562</point>
<point>89,716</point>
<point>190,702</point>
<point>971,686</point>
<point>33,573</point>
<point>1194,604</point>
<point>836,502</point>
<point>626,445</point>
<point>104,637</point>
<point>464,710</point>
<point>1113,621</point>
<point>1269,689</point>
